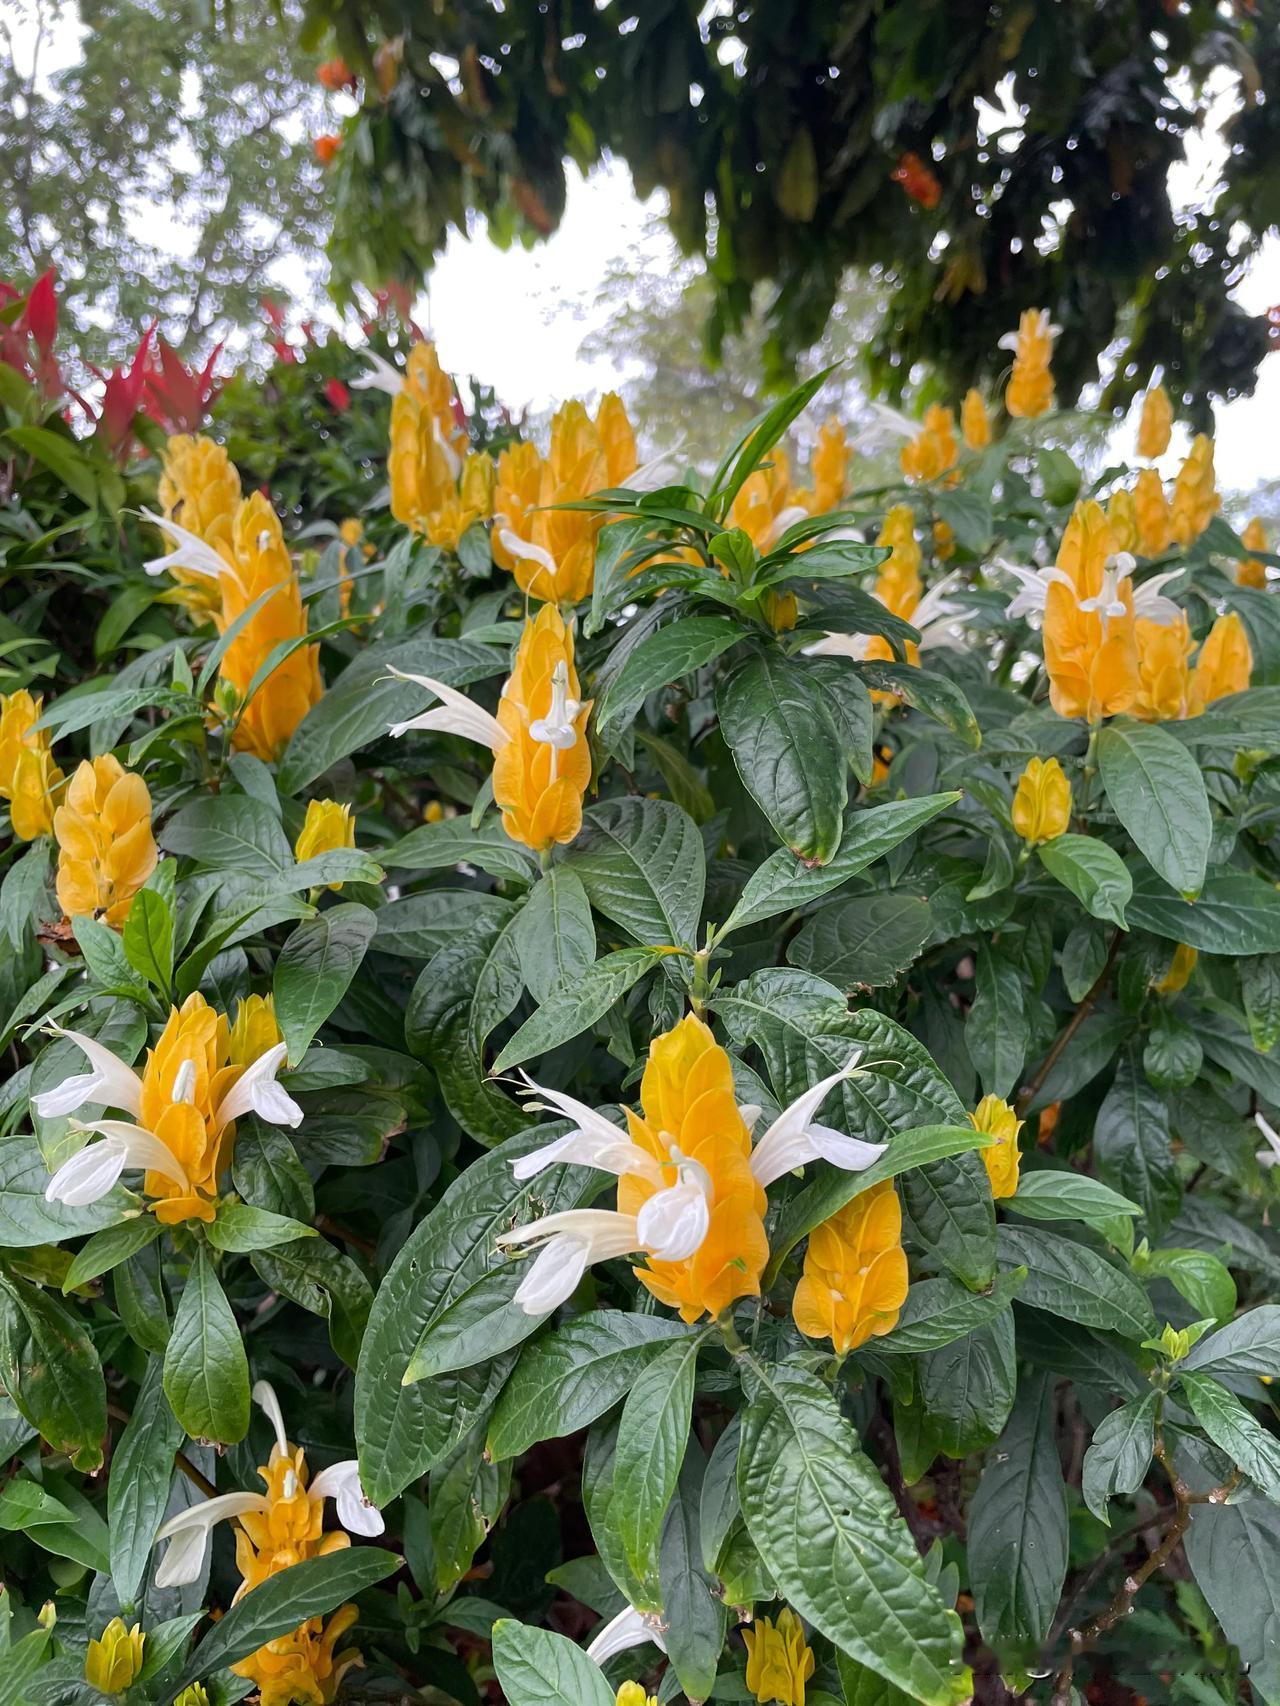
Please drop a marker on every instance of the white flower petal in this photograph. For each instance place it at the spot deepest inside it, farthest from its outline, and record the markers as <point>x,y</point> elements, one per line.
<point>850,1154</point>
<point>256,1091</point>
<point>264,1396</point>
<point>786,517</point>
<point>1268,1157</point>
<point>189,552</point>
<point>111,1083</point>
<point>673,1222</point>
<point>89,1175</point>
<point>188,1535</point>
<point>553,1278</point>
<point>341,1483</point>
<point>142,1148</point>
<point>380,377</point>
<point>594,1142</point>
<point>525,551</point>
<point>839,646</point>
<point>789,1141</point>
<point>455,715</point>
<point>630,1628</point>
<point>575,1238</point>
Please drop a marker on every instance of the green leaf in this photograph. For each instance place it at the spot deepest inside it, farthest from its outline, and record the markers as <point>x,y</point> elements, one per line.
<point>1133,1148</point>
<point>1094,872</point>
<point>107,1249</point>
<point>1017,1529</point>
<point>774,719</point>
<point>950,1205</point>
<point>832,1188</point>
<point>1076,1283</point>
<point>321,1279</point>
<point>467,1494</point>
<point>784,883</point>
<point>1199,1277</point>
<point>206,1373</point>
<point>50,1371</point>
<point>935,696</point>
<point>565,1379</point>
<point>831,1536</point>
<point>692,1608</point>
<point>315,969</point>
<point>27,1218</point>
<point>365,700</point>
<point>230,832</point>
<point>24,893</point>
<point>148,937</point>
<point>1230,1426</point>
<point>574,1007</point>
<point>294,1596</point>
<point>241,1227</point>
<point>968,515</point>
<point>1156,790</point>
<point>1234,1554</point>
<point>1234,913</point>
<point>1120,1454</point>
<point>1068,1196</point>
<point>674,651</point>
<point>554,935</point>
<point>643,866</point>
<point>61,456</point>
<point>997,1033</point>
<point>939,1311</point>
<point>140,1480</point>
<point>419,925</point>
<point>652,1436</point>
<point>1249,1345</point>
<point>863,942</point>
<point>446,1271</point>
<point>537,1667</point>
<point>441,846</point>
<point>967,1389</point>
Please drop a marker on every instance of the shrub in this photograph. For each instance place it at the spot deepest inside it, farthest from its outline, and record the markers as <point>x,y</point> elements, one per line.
<point>708,1131</point>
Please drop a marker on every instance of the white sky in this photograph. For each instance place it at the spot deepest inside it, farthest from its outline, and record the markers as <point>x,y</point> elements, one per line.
<point>517,318</point>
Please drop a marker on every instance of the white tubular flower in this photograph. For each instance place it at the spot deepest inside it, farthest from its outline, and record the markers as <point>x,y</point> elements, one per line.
<point>524,550</point>
<point>674,1221</point>
<point>256,1091</point>
<point>893,423</point>
<point>572,1241</point>
<point>188,552</point>
<point>341,1483</point>
<point>1010,339</point>
<point>839,646</point>
<point>1149,602</point>
<point>594,1141</point>
<point>937,615</point>
<point>650,476</point>
<point>381,376</point>
<point>556,729</point>
<point>1269,1156</point>
<point>1034,587</point>
<point>95,1170</point>
<point>188,1535</point>
<point>795,1137</point>
<point>455,715</point>
<point>630,1628</point>
<point>785,518</point>
<point>111,1084</point>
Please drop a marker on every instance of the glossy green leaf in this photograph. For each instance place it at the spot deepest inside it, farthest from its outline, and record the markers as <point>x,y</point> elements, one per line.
<point>1156,790</point>
<point>206,1373</point>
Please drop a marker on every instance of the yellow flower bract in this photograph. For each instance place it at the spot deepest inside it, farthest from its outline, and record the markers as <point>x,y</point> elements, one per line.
<point>1042,801</point>
<point>106,850</point>
<point>779,1659</point>
<point>855,1273</point>
<point>1001,1159</point>
<point>113,1661</point>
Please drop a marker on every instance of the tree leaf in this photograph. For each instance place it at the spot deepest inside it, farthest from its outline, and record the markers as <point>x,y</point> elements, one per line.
<point>674,651</point>
<point>554,935</point>
<point>27,1218</point>
<point>939,1311</point>
<point>241,1227</point>
<point>1234,913</point>
<point>1120,1454</point>
<point>1230,1426</point>
<point>1156,790</point>
<point>1133,1148</point>
<point>653,1433</point>
<point>863,942</point>
<point>1047,1195</point>
<point>1248,1345</point>
<point>1076,1283</point>
<point>951,1210</point>
<point>572,1008</point>
<point>997,1033</point>
<point>206,1373</point>
<point>537,1667</point>
<point>230,832</point>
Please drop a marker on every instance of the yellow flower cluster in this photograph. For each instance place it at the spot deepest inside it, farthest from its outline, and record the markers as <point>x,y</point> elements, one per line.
<point>305,1665</point>
<point>113,1661</point>
<point>1155,423</point>
<point>975,422</point>
<point>1195,496</point>
<point>1170,686</point>
<point>1029,392</point>
<point>550,551</point>
<point>106,850</point>
<point>543,769</point>
<point>1091,658</point>
<point>29,778</point>
<point>200,489</point>
<point>779,1659</point>
<point>327,826</point>
<point>1249,571</point>
<point>1042,801</point>
<point>855,1272</point>
<point>689,1106</point>
<point>934,451</point>
<point>438,488</point>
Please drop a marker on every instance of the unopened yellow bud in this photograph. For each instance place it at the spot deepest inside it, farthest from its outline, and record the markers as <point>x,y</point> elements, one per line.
<point>193,1695</point>
<point>1155,423</point>
<point>1180,969</point>
<point>1042,801</point>
<point>975,422</point>
<point>115,1658</point>
<point>327,826</point>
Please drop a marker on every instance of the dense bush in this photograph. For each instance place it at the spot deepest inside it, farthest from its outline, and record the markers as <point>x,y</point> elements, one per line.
<point>633,1076</point>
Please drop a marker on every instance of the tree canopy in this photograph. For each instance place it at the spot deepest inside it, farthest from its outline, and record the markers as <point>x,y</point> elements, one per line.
<point>165,171</point>
<point>980,161</point>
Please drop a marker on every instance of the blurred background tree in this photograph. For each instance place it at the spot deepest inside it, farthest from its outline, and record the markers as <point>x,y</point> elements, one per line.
<point>167,171</point>
<point>976,159</point>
